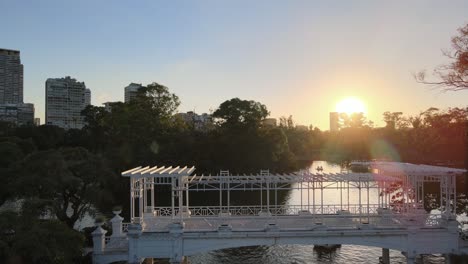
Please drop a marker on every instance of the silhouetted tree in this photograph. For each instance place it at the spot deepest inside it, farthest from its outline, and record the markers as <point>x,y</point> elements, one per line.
<point>452,76</point>
<point>237,112</point>
<point>69,182</point>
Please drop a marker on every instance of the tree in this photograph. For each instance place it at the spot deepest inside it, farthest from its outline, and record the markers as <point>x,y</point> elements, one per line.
<point>244,113</point>
<point>68,182</point>
<point>24,238</point>
<point>394,120</point>
<point>454,75</point>
<point>162,102</point>
<point>353,120</point>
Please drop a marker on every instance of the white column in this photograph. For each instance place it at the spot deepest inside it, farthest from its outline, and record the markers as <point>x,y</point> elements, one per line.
<point>301,194</point>
<point>180,197</point>
<point>348,197</point>
<point>99,240</point>
<point>268,193</point>
<point>321,197</point>
<point>152,195</point>
<point>116,222</point>
<point>228,194</point>
<point>313,195</point>
<point>132,200</point>
<point>145,194</point>
<point>368,203</point>
<point>360,203</point>
<point>141,197</point>
<point>172,198</point>
<point>340,183</point>
<point>221,194</point>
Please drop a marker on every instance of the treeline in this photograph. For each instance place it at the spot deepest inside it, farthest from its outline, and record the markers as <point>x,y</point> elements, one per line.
<point>67,174</point>
<point>434,136</point>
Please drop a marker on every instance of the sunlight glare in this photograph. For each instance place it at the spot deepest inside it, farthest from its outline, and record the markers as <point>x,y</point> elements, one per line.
<point>350,105</point>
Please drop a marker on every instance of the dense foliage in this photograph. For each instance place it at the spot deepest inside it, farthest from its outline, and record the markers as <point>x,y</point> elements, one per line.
<point>67,174</point>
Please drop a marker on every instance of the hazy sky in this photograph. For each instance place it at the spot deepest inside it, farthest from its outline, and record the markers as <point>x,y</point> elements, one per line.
<point>297,57</point>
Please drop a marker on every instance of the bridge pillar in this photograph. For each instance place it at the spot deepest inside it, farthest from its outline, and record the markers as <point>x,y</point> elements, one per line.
<point>176,230</point>
<point>117,225</point>
<point>178,260</point>
<point>448,259</point>
<point>410,260</point>
<point>134,233</point>
<point>385,256</point>
<point>99,243</point>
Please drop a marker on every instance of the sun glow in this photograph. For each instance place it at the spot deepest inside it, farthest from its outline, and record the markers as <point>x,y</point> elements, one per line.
<point>351,105</point>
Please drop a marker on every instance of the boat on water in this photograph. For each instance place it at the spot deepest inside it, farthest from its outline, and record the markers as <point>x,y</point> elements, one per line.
<point>327,246</point>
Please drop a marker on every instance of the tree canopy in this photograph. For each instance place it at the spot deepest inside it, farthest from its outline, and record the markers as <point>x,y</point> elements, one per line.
<point>237,112</point>
<point>69,182</point>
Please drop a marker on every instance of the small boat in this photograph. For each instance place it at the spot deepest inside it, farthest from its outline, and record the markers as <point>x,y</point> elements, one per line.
<point>327,246</point>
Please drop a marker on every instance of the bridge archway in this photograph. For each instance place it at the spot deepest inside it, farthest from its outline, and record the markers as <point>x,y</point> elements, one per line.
<point>208,245</point>
<point>294,253</point>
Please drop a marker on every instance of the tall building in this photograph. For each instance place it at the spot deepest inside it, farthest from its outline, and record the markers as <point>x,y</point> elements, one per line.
<point>87,97</point>
<point>20,114</point>
<point>12,108</point>
<point>203,122</point>
<point>270,122</point>
<point>65,99</point>
<point>334,121</point>
<point>131,91</point>
<point>11,77</point>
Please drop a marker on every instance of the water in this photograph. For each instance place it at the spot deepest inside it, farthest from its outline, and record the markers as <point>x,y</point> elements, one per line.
<point>292,254</point>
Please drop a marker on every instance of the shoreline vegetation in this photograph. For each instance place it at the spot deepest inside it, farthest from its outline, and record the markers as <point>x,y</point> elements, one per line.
<point>71,173</point>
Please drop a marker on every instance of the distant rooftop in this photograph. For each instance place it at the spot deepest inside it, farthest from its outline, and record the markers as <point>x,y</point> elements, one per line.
<point>9,52</point>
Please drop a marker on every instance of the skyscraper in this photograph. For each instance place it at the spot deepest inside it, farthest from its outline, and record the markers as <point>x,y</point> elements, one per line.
<point>131,91</point>
<point>334,121</point>
<point>11,77</point>
<point>65,99</point>
<point>87,97</point>
<point>12,108</point>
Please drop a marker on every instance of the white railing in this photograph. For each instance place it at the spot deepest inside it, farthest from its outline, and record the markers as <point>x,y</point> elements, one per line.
<point>273,210</point>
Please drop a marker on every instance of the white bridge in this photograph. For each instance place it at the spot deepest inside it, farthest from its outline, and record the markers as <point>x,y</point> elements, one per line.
<point>396,221</point>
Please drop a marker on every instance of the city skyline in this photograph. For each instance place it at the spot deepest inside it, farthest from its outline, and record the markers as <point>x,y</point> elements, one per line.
<point>302,64</point>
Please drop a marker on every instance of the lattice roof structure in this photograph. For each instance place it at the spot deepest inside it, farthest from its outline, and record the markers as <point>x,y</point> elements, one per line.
<point>155,171</point>
<point>399,168</point>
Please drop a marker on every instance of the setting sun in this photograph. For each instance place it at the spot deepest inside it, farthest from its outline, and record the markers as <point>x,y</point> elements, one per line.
<point>350,105</point>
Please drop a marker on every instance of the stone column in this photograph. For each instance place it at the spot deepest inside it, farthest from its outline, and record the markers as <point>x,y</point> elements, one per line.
<point>117,225</point>
<point>134,233</point>
<point>99,240</point>
<point>177,255</point>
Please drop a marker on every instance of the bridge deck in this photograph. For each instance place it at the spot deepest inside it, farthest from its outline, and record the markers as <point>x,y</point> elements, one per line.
<point>297,222</point>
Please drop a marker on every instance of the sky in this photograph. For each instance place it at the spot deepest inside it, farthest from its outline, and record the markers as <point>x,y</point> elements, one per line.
<point>298,58</point>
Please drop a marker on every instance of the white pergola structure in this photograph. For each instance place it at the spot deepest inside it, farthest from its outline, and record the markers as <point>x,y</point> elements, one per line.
<point>383,177</point>
<point>143,180</point>
<point>413,177</point>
